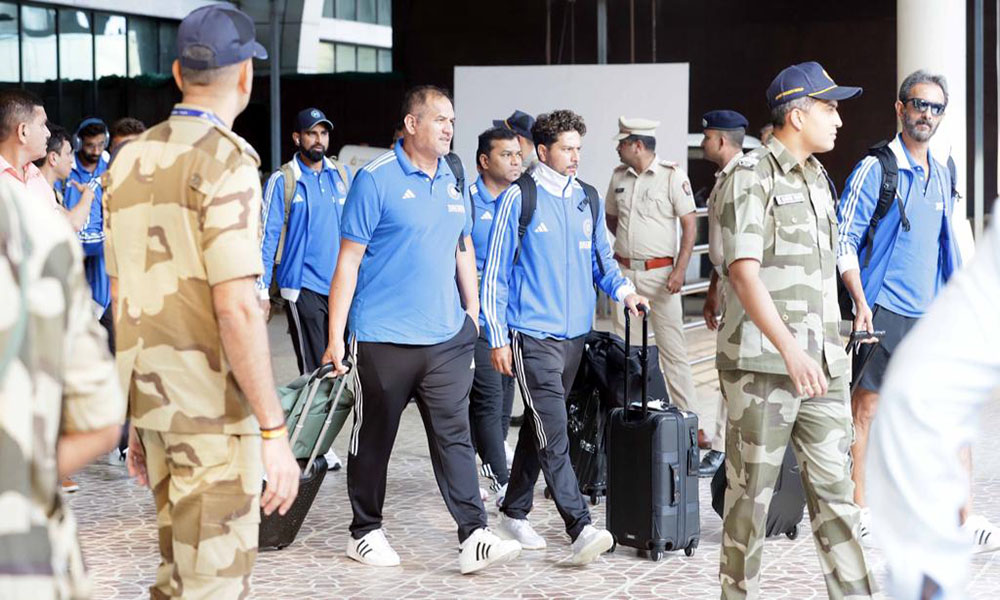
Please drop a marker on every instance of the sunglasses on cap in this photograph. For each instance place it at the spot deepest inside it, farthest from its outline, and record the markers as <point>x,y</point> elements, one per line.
<point>921,105</point>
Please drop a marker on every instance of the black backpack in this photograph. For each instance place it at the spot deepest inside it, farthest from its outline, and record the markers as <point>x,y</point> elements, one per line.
<point>886,195</point>
<point>455,164</point>
<point>529,200</point>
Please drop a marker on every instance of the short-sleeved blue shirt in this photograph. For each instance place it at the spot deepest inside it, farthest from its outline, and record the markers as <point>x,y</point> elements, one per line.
<point>411,223</point>
<point>485,212</point>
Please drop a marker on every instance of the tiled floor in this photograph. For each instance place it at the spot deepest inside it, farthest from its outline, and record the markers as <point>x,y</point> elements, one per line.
<point>119,538</point>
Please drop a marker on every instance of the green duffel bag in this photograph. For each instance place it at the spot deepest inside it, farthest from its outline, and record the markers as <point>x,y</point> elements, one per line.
<point>316,407</point>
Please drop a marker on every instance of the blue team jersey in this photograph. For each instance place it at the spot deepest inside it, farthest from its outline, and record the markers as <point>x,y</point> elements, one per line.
<point>410,224</point>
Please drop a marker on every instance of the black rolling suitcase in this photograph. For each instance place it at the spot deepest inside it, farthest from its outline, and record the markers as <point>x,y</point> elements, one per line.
<point>784,513</point>
<point>652,472</point>
<point>278,531</point>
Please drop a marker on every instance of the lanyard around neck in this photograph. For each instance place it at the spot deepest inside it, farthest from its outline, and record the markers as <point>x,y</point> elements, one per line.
<point>200,114</point>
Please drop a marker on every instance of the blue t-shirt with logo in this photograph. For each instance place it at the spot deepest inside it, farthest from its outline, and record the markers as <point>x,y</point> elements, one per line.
<point>410,224</point>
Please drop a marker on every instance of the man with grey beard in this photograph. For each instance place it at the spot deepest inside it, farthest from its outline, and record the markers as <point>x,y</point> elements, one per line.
<point>894,264</point>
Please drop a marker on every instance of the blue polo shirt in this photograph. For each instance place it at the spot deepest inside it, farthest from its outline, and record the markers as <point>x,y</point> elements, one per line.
<point>913,278</point>
<point>410,224</point>
<point>92,235</point>
<point>485,213</point>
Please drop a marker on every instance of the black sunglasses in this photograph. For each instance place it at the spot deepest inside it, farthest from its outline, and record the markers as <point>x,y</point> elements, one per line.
<point>921,105</point>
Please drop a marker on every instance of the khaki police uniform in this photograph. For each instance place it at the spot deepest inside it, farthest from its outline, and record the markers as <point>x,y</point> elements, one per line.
<point>57,379</point>
<point>183,206</point>
<point>716,256</point>
<point>648,205</point>
<point>783,215</point>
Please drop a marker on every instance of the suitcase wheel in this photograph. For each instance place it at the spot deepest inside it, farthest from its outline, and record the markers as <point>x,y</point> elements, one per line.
<point>655,555</point>
<point>793,532</point>
<point>689,550</point>
<point>595,499</point>
<point>547,493</point>
<point>614,545</point>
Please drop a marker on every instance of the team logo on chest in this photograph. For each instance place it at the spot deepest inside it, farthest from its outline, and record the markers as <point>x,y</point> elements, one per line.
<point>588,227</point>
<point>341,188</point>
<point>453,192</point>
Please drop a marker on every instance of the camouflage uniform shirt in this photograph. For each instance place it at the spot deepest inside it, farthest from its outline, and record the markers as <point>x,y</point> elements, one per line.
<point>182,210</point>
<point>59,379</point>
<point>782,214</point>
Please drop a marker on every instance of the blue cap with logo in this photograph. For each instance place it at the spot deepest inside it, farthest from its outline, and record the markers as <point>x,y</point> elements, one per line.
<point>806,79</point>
<point>519,122</point>
<point>725,120</point>
<point>309,118</point>
<point>215,36</point>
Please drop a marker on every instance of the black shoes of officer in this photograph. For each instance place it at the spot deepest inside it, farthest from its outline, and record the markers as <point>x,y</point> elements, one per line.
<point>711,463</point>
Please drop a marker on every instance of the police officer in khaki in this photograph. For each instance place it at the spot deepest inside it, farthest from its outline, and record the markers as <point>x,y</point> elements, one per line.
<point>782,365</point>
<point>645,199</point>
<point>60,404</point>
<point>723,145</point>
<point>183,206</point>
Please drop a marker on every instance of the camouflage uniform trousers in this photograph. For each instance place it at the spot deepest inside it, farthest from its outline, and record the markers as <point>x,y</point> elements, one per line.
<point>764,412</point>
<point>207,491</point>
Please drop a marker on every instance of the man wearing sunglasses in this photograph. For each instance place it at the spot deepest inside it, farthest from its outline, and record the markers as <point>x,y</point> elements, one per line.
<point>893,267</point>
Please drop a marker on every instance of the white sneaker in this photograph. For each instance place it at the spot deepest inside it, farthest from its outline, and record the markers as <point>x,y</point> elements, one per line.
<point>510,455</point>
<point>865,529</point>
<point>483,548</point>
<point>501,494</point>
<point>373,549</point>
<point>332,461</point>
<point>985,536</point>
<point>484,495</point>
<point>117,458</point>
<point>520,530</point>
<point>591,543</point>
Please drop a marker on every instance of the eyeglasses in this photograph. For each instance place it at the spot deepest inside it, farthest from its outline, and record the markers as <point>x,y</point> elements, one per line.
<point>921,105</point>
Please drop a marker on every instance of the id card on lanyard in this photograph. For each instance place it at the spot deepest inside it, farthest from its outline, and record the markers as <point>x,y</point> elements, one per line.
<point>180,111</point>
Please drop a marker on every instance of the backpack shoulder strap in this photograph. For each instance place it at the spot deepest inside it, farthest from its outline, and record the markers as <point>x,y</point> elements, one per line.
<point>340,170</point>
<point>290,174</point>
<point>529,200</point>
<point>595,205</point>
<point>886,194</point>
<point>953,171</point>
<point>455,164</point>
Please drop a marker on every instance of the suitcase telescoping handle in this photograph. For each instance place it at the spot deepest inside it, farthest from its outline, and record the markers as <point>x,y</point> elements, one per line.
<point>643,357</point>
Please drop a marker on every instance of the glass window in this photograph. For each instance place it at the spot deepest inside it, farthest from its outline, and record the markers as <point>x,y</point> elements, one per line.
<point>8,42</point>
<point>385,12</point>
<point>346,58</point>
<point>366,60</point>
<point>76,50</point>
<point>168,45</point>
<point>324,58</point>
<point>328,6</point>
<point>385,61</point>
<point>142,46</point>
<point>366,11</point>
<point>38,61</point>
<point>346,10</point>
<point>110,45</point>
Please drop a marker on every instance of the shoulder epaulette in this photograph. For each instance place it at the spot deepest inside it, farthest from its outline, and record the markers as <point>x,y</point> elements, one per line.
<point>670,164</point>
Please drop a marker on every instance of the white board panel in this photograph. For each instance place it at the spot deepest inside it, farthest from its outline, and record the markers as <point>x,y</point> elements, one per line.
<point>600,93</point>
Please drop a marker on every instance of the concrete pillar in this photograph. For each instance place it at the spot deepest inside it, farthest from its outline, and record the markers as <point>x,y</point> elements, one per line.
<point>932,36</point>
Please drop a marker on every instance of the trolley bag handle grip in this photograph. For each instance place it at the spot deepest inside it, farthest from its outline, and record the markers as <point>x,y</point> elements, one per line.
<point>314,381</point>
<point>327,369</point>
<point>643,357</point>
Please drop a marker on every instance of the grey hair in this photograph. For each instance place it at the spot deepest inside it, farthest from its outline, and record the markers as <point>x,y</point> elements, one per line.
<point>779,112</point>
<point>921,76</point>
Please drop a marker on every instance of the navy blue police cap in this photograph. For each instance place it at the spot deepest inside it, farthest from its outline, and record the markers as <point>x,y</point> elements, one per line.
<point>215,36</point>
<point>807,79</point>
<point>725,120</point>
<point>309,118</point>
<point>519,122</point>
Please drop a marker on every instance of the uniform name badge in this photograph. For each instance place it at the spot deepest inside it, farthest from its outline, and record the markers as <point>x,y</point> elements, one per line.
<point>783,199</point>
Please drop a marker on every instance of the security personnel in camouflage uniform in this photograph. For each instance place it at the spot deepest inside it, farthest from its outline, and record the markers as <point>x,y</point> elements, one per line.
<point>57,386</point>
<point>646,197</point>
<point>782,365</point>
<point>184,205</point>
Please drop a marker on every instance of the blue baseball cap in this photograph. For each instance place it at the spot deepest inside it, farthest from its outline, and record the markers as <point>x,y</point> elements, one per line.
<point>519,122</point>
<point>725,120</point>
<point>806,79</point>
<point>309,118</point>
<point>215,36</point>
